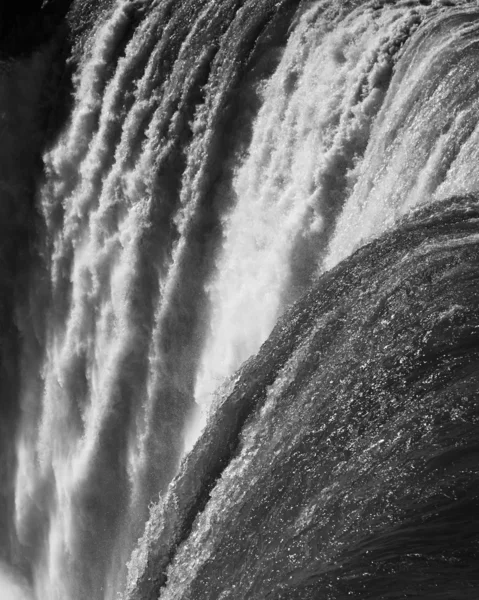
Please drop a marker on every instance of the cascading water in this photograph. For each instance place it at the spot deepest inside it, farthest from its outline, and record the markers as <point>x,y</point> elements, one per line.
<point>311,131</point>
<point>409,162</point>
<point>218,158</point>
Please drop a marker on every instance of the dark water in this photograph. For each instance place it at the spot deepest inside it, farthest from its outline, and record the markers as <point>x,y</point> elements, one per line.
<point>346,452</point>
<point>185,184</point>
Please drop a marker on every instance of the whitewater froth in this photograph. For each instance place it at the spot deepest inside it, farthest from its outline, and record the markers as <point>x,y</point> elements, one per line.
<point>308,139</point>
<point>423,143</point>
<point>200,186</point>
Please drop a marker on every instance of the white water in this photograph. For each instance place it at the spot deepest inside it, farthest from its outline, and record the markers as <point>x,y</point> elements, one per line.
<point>13,587</point>
<point>92,269</point>
<point>424,143</point>
<point>107,406</point>
<point>308,138</point>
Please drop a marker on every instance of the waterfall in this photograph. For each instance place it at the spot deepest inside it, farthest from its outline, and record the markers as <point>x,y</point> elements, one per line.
<point>218,160</point>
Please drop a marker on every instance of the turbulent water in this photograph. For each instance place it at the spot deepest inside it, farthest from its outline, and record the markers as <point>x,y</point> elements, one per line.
<point>239,296</point>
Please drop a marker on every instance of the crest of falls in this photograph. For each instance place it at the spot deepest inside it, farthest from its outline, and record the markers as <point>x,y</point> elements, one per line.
<point>187,184</point>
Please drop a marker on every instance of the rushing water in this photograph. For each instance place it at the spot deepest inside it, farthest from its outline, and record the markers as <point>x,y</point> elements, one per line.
<point>216,168</point>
